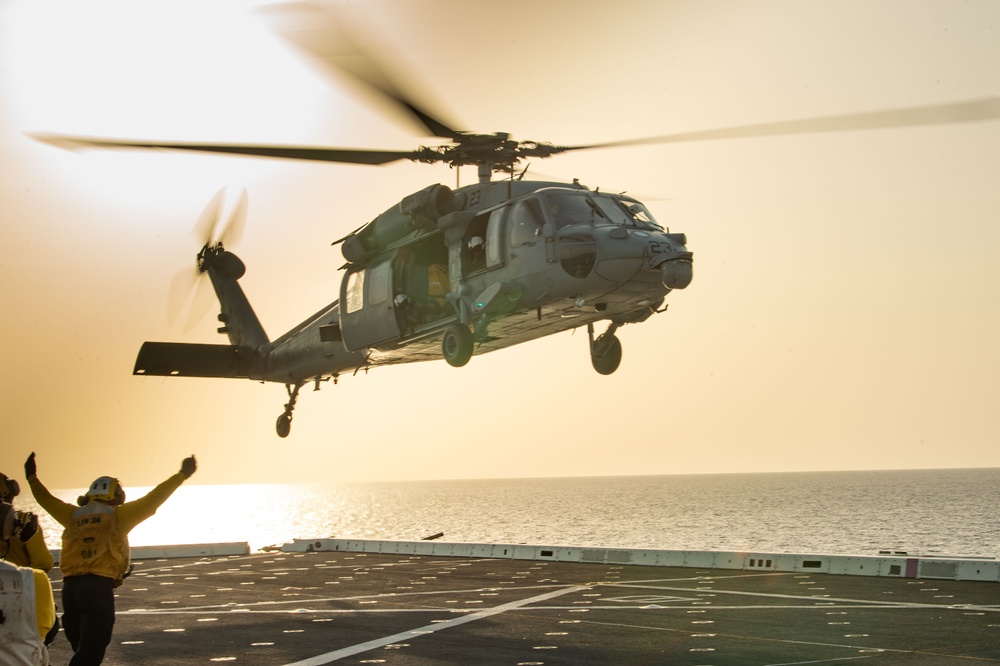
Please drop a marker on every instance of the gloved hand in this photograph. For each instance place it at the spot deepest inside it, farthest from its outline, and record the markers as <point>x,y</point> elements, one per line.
<point>30,468</point>
<point>29,525</point>
<point>189,466</point>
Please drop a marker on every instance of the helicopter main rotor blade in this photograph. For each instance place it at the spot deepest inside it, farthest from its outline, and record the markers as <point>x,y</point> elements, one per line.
<point>976,110</point>
<point>342,155</point>
<point>328,36</point>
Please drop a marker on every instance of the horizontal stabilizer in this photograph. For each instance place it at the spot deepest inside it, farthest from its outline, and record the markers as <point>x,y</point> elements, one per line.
<point>179,359</point>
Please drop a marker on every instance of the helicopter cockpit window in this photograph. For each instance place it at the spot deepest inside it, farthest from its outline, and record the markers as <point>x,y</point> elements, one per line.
<point>639,213</point>
<point>354,296</point>
<point>569,208</point>
<point>626,211</point>
<point>525,222</point>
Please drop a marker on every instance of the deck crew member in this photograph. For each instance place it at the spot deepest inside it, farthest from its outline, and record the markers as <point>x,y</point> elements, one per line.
<point>26,607</point>
<point>26,546</point>
<point>95,552</point>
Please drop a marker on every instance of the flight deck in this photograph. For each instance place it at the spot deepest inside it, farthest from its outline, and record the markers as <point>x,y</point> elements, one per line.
<point>348,607</point>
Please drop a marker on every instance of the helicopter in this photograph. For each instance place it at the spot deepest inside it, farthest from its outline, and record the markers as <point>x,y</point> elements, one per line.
<point>456,272</point>
<point>450,273</point>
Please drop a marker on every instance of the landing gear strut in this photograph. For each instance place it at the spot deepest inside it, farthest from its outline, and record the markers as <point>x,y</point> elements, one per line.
<point>284,422</point>
<point>606,350</point>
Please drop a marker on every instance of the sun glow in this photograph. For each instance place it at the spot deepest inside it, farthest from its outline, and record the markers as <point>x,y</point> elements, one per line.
<point>193,78</point>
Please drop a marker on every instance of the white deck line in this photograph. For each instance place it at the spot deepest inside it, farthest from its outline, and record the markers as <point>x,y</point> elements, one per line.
<point>410,634</point>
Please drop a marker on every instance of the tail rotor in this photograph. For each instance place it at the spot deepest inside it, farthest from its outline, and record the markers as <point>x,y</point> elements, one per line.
<point>221,223</point>
<point>214,228</point>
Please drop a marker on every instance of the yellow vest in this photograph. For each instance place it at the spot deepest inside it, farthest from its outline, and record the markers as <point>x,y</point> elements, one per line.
<point>94,543</point>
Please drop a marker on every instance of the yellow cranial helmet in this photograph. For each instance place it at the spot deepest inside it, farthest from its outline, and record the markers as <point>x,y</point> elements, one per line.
<point>106,489</point>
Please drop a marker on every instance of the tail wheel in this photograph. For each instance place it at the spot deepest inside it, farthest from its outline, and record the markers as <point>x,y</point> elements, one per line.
<point>607,354</point>
<point>456,345</point>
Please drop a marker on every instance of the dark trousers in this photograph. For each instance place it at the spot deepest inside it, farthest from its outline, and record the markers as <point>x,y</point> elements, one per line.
<point>88,616</point>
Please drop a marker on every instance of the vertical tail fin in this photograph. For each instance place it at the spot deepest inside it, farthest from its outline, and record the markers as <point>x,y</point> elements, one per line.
<point>239,321</point>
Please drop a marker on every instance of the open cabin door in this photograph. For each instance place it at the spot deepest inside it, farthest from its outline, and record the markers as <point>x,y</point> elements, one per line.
<point>367,315</point>
<point>400,294</point>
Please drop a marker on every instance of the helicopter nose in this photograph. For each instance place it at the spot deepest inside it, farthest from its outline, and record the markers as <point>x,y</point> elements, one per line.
<point>677,273</point>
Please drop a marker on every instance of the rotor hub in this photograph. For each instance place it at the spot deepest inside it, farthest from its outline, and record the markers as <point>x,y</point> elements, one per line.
<point>498,151</point>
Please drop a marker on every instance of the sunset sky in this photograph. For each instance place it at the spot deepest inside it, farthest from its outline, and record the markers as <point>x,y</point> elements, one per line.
<point>845,309</point>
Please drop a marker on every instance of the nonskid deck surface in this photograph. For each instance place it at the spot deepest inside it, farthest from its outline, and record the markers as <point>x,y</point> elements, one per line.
<point>356,608</point>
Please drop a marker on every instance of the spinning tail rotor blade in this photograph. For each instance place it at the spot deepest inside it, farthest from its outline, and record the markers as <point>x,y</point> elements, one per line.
<point>204,228</point>
<point>232,231</point>
<point>190,291</point>
<point>211,228</point>
<point>202,301</point>
<point>182,284</point>
<point>190,299</point>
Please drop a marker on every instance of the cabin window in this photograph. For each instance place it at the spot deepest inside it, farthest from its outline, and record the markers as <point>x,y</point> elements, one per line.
<point>378,283</point>
<point>493,229</point>
<point>355,291</point>
<point>525,222</point>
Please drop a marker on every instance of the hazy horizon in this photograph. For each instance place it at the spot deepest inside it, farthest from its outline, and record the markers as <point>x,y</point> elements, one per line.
<point>194,480</point>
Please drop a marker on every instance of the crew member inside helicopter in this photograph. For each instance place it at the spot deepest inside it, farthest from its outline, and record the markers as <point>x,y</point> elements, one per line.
<point>421,288</point>
<point>438,286</point>
<point>406,311</point>
<point>567,209</point>
<point>476,254</point>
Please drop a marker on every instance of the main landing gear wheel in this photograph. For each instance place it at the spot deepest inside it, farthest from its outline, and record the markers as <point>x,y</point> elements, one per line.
<point>456,345</point>
<point>607,354</point>
<point>606,350</point>
<point>284,423</point>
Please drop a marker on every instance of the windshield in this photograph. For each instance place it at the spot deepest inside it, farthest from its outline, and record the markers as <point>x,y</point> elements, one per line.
<point>566,208</point>
<point>622,210</point>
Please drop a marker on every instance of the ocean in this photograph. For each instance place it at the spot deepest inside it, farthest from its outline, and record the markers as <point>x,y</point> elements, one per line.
<point>921,512</point>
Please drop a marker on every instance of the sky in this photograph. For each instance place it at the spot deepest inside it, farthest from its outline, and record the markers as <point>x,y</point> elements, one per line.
<point>843,313</point>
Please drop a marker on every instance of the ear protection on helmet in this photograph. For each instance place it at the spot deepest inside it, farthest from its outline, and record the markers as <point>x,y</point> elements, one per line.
<point>9,488</point>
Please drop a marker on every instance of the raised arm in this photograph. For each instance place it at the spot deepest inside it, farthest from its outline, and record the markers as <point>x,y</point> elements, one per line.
<point>132,513</point>
<point>61,511</point>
